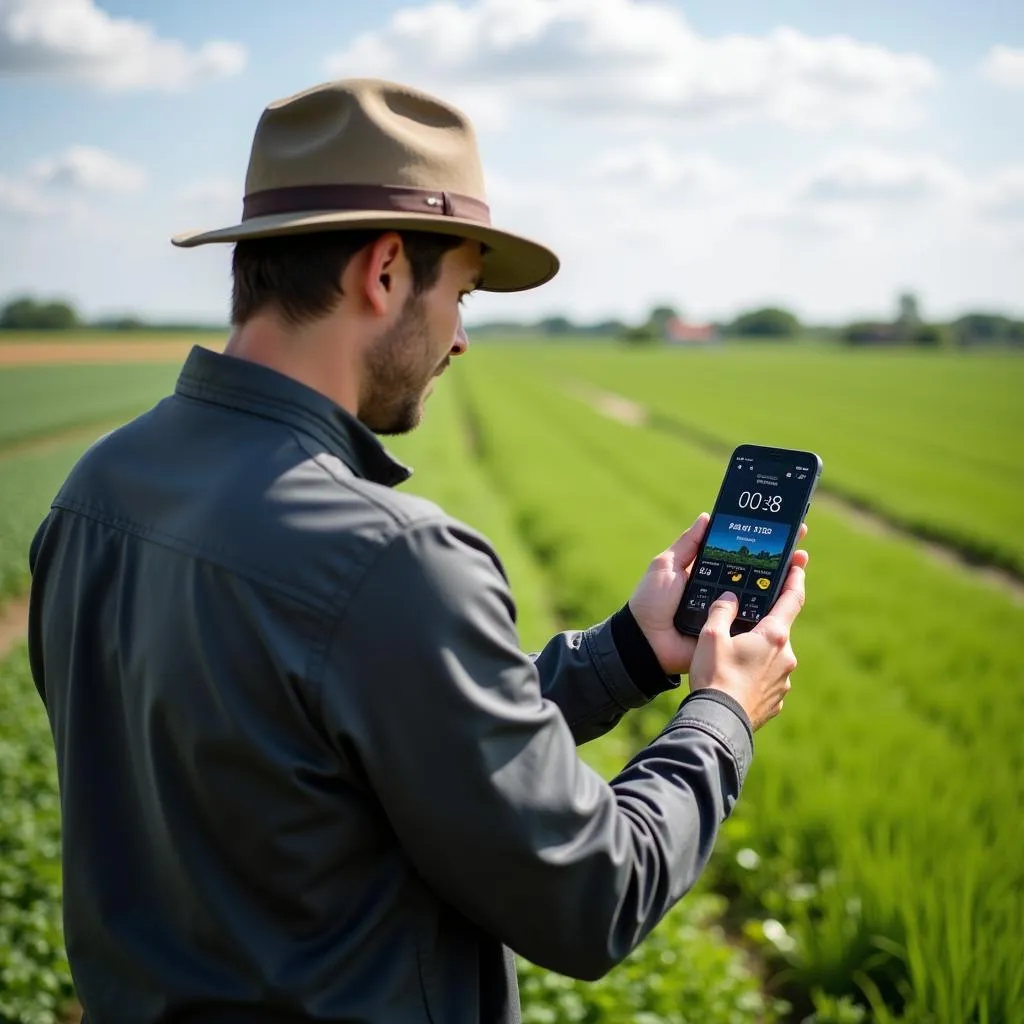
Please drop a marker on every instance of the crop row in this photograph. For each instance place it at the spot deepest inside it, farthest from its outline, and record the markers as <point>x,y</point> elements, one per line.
<point>38,400</point>
<point>688,970</point>
<point>874,822</point>
<point>926,439</point>
<point>29,481</point>
<point>35,984</point>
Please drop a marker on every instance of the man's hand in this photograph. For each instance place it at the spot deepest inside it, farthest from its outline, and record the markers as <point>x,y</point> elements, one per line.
<point>657,596</point>
<point>754,667</point>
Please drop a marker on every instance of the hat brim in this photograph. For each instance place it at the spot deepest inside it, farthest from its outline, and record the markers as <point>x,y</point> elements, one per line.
<point>511,263</point>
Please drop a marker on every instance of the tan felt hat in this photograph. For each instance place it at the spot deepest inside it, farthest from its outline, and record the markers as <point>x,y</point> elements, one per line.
<point>365,153</point>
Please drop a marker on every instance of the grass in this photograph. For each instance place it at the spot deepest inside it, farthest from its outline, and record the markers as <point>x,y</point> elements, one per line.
<point>877,807</point>
<point>35,983</point>
<point>930,439</point>
<point>30,481</point>
<point>40,400</point>
<point>875,853</point>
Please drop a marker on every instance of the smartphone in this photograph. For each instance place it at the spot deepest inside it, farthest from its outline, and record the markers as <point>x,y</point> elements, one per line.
<point>749,542</point>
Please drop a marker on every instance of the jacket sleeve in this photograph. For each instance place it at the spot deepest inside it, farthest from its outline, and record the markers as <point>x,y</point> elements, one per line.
<point>584,674</point>
<point>478,773</point>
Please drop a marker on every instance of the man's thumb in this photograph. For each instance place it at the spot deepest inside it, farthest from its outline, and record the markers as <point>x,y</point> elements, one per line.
<point>722,613</point>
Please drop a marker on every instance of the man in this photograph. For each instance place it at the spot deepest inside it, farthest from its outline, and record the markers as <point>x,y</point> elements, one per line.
<point>306,772</point>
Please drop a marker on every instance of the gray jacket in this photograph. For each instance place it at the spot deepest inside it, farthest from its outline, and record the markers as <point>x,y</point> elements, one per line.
<point>306,772</point>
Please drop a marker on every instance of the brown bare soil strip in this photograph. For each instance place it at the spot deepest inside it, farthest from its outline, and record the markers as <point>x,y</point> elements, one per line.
<point>13,624</point>
<point>625,410</point>
<point>69,353</point>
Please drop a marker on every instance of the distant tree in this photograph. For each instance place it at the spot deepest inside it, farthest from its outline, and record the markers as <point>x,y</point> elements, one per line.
<point>608,328</point>
<point>928,335</point>
<point>984,328</point>
<point>908,310</point>
<point>556,325</point>
<point>121,323</point>
<point>659,318</point>
<point>868,333</point>
<point>641,335</point>
<point>766,323</point>
<point>25,314</point>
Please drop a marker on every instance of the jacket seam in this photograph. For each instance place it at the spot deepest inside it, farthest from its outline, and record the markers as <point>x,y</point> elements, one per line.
<point>711,730</point>
<point>200,391</point>
<point>351,483</point>
<point>337,615</point>
<point>189,549</point>
<point>612,688</point>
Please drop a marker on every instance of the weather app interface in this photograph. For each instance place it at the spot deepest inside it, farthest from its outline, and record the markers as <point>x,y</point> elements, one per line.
<point>761,505</point>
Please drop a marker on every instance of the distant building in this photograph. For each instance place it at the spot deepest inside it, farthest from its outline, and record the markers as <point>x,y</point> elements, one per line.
<point>679,332</point>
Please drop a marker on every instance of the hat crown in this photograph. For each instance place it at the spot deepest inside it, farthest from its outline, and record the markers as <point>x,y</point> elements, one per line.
<point>365,131</point>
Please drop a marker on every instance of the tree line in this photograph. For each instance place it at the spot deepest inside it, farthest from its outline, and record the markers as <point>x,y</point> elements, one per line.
<point>26,313</point>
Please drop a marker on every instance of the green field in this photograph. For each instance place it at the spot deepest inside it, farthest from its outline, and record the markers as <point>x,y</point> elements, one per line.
<point>935,440</point>
<point>875,858</point>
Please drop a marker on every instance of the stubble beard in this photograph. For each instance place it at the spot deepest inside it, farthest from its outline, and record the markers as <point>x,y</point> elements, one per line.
<point>397,372</point>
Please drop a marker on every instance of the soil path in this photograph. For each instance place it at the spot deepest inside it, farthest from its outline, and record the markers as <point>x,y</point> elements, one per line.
<point>625,410</point>
<point>70,353</point>
<point>13,624</point>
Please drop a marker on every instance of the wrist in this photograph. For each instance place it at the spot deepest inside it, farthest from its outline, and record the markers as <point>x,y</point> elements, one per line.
<point>638,656</point>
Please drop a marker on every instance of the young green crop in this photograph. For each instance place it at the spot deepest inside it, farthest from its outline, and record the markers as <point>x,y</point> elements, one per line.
<point>35,984</point>
<point>930,439</point>
<point>875,822</point>
<point>39,400</point>
<point>29,482</point>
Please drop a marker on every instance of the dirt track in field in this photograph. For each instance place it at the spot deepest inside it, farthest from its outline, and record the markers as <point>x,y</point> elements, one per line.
<point>69,353</point>
<point>625,410</point>
<point>13,624</point>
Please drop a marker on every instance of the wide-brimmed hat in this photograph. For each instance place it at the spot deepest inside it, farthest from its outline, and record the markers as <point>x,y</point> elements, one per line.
<point>365,153</point>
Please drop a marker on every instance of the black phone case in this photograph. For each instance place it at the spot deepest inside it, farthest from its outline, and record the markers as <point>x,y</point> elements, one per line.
<point>745,625</point>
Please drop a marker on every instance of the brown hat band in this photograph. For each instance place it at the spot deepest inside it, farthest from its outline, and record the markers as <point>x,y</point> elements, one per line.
<point>396,198</point>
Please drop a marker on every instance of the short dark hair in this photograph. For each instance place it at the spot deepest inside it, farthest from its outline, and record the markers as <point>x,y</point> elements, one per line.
<point>299,276</point>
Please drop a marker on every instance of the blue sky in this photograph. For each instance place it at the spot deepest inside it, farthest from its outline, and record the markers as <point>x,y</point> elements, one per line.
<point>712,155</point>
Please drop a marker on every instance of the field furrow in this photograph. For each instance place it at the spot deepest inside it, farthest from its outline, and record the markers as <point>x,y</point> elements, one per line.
<point>879,792</point>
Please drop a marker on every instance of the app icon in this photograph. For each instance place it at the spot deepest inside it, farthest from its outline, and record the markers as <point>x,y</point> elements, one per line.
<point>733,576</point>
<point>762,582</point>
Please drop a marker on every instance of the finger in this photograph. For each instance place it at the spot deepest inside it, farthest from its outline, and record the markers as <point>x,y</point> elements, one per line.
<point>721,615</point>
<point>790,601</point>
<point>801,558</point>
<point>684,551</point>
<point>802,533</point>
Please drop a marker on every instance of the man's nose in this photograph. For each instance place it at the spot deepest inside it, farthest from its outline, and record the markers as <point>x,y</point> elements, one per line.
<point>461,341</point>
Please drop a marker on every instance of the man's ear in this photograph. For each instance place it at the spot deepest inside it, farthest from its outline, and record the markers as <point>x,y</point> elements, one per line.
<point>381,271</point>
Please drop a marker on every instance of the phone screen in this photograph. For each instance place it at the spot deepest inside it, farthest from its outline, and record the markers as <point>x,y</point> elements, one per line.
<point>753,529</point>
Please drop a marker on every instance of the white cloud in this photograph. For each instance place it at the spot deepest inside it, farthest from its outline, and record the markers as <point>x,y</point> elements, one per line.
<point>76,40</point>
<point>654,165</point>
<point>1004,66</point>
<point>61,185</point>
<point>631,60</point>
<point>1001,198</point>
<point>23,199</point>
<point>85,168</point>
<point>875,176</point>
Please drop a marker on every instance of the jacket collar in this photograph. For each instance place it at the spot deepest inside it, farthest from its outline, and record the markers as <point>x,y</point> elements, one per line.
<point>240,384</point>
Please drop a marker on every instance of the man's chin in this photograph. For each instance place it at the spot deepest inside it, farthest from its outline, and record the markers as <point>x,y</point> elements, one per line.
<point>409,419</point>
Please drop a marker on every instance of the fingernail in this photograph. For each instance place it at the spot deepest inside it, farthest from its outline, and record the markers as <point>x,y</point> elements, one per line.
<point>730,597</point>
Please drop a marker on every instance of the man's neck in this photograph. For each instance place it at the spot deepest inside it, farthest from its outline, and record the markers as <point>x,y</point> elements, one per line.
<point>311,354</point>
